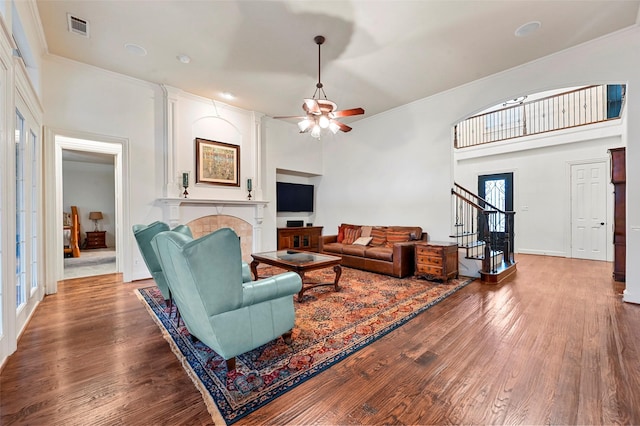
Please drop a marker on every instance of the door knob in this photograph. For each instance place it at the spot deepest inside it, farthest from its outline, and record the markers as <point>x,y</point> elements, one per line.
<point>601,223</point>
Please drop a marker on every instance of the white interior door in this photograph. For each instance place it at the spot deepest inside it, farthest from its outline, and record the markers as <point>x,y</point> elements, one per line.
<point>589,211</point>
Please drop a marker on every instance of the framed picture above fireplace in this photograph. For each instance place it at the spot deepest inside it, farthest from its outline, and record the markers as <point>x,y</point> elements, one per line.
<point>217,163</point>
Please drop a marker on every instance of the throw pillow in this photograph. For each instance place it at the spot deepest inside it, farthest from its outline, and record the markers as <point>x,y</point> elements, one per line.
<point>350,235</point>
<point>362,241</point>
<point>378,235</point>
<point>397,237</point>
<point>341,229</point>
<point>366,231</point>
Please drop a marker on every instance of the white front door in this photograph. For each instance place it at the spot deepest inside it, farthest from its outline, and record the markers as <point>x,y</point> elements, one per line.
<point>589,211</point>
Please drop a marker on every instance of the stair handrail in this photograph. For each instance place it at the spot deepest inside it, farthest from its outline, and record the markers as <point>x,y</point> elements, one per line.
<point>476,205</point>
<point>488,212</point>
<point>478,198</point>
<point>509,215</point>
<point>487,261</point>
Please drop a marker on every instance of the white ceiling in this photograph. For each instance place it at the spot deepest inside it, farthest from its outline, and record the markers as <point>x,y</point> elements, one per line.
<point>378,54</point>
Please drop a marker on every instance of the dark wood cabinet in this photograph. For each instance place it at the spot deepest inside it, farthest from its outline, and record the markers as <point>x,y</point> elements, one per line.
<point>95,240</point>
<point>619,181</point>
<point>306,238</point>
<point>437,260</point>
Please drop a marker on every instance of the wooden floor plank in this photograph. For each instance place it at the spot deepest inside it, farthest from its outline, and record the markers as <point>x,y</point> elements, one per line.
<point>556,344</point>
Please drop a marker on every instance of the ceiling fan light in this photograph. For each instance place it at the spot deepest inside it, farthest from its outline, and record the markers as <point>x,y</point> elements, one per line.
<point>323,121</point>
<point>315,132</point>
<point>304,125</point>
<point>334,127</point>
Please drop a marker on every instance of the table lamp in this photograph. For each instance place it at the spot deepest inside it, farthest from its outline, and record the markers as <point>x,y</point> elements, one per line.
<point>95,217</point>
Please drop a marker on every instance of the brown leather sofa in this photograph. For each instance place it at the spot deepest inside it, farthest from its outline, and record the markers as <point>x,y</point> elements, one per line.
<point>390,251</point>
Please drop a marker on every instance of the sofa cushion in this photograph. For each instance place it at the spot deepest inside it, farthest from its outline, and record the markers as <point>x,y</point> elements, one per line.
<point>380,253</point>
<point>343,228</point>
<point>415,232</point>
<point>397,236</point>
<point>353,250</point>
<point>350,235</point>
<point>378,235</point>
<point>362,241</point>
<point>332,248</point>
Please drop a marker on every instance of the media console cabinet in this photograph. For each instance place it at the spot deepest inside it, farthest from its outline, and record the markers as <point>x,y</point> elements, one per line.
<point>306,238</point>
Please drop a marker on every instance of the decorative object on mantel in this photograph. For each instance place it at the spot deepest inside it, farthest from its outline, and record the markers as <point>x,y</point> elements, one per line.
<point>249,187</point>
<point>321,113</point>
<point>217,163</point>
<point>185,183</point>
<point>95,217</point>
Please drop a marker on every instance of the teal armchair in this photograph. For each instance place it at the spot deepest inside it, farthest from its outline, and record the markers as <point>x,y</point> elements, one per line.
<point>145,233</point>
<point>228,315</point>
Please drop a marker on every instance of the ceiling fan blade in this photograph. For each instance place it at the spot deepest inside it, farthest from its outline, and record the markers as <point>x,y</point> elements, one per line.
<point>348,112</point>
<point>311,106</point>
<point>290,117</point>
<point>342,126</point>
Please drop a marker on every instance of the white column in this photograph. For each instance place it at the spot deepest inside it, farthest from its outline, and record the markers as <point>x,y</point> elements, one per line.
<point>257,228</point>
<point>171,212</point>
<point>170,107</point>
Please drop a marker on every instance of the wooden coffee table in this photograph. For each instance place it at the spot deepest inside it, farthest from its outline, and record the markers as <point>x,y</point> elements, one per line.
<point>299,262</point>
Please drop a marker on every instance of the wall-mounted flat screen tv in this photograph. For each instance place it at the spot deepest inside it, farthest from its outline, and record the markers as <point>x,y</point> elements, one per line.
<point>294,197</point>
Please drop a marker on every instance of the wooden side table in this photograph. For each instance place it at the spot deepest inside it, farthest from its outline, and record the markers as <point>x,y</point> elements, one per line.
<point>95,240</point>
<point>437,260</point>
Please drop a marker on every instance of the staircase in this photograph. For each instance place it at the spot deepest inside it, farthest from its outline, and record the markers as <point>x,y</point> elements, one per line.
<point>484,234</point>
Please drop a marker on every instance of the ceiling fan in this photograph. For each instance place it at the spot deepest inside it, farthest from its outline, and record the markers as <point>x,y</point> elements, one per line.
<point>322,113</point>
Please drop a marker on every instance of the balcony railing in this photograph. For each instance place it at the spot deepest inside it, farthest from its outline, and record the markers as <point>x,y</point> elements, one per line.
<point>587,105</point>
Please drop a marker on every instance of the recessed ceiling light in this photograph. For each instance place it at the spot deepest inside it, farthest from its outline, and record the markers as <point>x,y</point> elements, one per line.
<point>527,29</point>
<point>228,95</point>
<point>136,50</point>
<point>183,58</point>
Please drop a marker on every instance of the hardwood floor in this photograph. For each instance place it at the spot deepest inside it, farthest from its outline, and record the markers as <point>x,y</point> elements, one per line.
<point>554,345</point>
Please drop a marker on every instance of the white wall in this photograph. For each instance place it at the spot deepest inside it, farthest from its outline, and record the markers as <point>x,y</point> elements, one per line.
<point>394,168</point>
<point>199,117</point>
<point>90,101</point>
<point>90,187</point>
<point>160,126</point>
<point>542,191</point>
<point>606,60</point>
<point>290,157</point>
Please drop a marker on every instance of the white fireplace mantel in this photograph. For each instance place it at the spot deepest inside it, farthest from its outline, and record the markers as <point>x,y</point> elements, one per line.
<point>183,210</point>
<point>174,205</point>
<point>178,201</point>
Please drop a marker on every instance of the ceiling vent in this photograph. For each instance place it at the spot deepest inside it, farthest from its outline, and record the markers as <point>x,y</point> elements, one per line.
<point>77,25</point>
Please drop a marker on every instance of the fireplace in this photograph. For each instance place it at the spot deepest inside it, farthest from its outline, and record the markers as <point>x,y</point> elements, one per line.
<point>207,224</point>
<point>206,216</point>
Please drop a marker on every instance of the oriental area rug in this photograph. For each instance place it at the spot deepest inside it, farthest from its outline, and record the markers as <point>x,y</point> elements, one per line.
<point>329,327</point>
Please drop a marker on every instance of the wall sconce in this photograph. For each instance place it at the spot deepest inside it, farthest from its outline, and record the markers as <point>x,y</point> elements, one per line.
<point>249,187</point>
<point>185,183</point>
<point>95,217</point>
